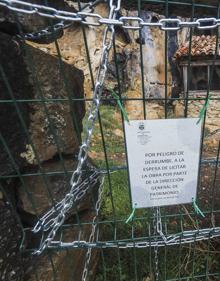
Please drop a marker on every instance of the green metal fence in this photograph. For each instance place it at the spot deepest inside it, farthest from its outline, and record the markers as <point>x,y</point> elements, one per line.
<point>110,249</point>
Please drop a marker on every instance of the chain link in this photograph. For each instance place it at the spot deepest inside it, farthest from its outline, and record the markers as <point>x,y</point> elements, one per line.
<point>157,228</point>
<point>92,235</point>
<point>48,32</point>
<point>77,195</point>
<point>56,216</point>
<point>51,31</point>
<point>136,23</point>
<point>184,237</point>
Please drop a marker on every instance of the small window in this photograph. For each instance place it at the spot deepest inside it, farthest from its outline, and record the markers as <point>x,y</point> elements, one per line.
<point>199,77</point>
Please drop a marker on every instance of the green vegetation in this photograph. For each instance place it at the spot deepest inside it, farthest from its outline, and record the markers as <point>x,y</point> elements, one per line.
<point>111,126</point>
<point>132,264</point>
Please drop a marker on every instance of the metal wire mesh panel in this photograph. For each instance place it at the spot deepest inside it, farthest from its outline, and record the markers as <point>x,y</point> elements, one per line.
<point>71,74</point>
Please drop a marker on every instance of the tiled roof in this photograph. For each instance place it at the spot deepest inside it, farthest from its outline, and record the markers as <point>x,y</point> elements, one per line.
<point>201,46</point>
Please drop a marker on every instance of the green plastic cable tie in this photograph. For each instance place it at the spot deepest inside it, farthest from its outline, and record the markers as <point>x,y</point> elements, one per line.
<point>196,208</point>
<point>120,105</point>
<point>132,214</point>
<point>204,108</point>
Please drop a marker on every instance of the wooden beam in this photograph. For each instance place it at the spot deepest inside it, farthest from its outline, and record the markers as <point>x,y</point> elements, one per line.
<point>200,62</point>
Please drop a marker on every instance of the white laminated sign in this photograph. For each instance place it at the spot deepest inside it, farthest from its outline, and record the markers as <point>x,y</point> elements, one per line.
<point>163,160</point>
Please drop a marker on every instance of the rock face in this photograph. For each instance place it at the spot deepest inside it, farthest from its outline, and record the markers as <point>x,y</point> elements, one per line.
<point>39,120</point>
<point>14,84</point>
<point>29,23</point>
<point>37,131</point>
<point>55,127</point>
<point>11,261</point>
<point>129,45</point>
<point>48,190</point>
<point>15,266</point>
<point>65,265</point>
<point>128,58</point>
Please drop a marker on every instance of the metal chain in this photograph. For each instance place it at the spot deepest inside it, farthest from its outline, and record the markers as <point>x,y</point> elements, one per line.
<point>156,263</point>
<point>51,30</point>
<point>92,19</point>
<point>184,237</point>
<point>49,221</point>
<point>92,235</point>
<point>157,224</point>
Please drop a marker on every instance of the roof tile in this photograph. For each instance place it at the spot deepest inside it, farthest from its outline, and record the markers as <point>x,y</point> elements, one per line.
<point>204,45</point>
